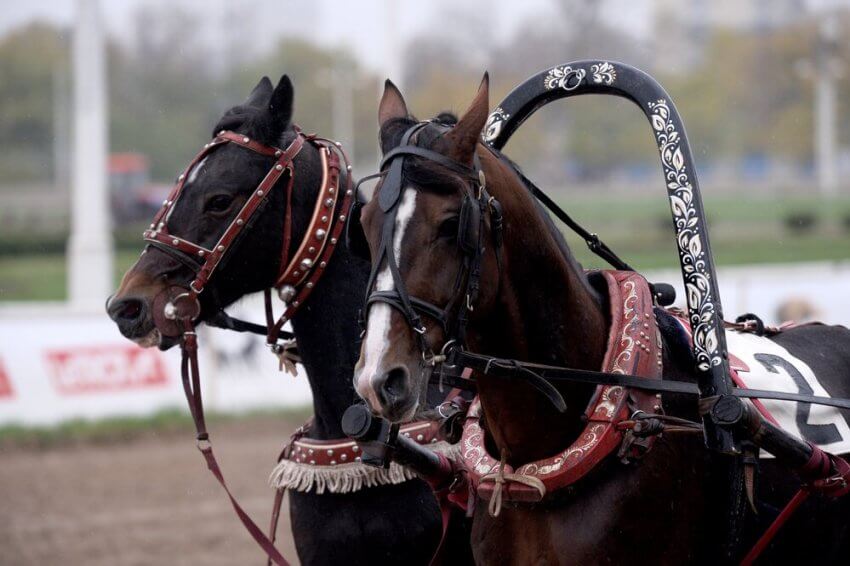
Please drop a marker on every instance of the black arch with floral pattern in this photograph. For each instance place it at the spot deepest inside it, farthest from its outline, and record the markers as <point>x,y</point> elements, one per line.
<point>698,272</point>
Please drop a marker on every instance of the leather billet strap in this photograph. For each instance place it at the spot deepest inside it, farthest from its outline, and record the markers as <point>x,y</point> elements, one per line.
<point>209,259</point>
<point>316,237</point>
<point>594,243</point>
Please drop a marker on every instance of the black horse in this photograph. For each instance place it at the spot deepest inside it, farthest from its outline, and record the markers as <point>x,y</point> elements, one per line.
<point>386,524</point>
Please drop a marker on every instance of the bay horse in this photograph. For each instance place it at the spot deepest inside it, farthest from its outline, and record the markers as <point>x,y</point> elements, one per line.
<point>524,296</point>
<point>389,524</point>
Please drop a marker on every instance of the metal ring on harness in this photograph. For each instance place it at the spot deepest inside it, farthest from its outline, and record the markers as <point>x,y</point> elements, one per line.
<point>172,309</point>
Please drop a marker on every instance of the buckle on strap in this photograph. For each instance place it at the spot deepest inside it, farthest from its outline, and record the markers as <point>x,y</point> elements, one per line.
<point>184,306</point>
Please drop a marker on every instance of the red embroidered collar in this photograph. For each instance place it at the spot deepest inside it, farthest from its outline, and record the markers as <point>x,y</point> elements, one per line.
<point>634,347</point>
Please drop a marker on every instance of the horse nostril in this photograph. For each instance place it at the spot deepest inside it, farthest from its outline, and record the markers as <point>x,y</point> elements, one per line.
<point>393,384</point>
<point>126,309</point>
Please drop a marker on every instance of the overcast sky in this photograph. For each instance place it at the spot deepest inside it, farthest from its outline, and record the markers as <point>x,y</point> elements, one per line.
<point>359,25</point>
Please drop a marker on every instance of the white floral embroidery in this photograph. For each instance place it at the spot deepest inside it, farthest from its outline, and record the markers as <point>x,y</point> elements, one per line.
<point>493,127</point>
<point>695,266</point>
<point>564,77</point>
<point>604,72</point>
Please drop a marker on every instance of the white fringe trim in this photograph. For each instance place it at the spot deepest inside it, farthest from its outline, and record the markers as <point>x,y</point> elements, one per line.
<point>344,478</point>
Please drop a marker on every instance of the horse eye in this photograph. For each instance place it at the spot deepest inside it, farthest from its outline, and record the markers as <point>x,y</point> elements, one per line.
<point>218,203</point>
<point>448,228</point>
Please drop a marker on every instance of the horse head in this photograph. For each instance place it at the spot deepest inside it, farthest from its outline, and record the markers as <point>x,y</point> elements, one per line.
<point>210,195</point>
<point>428,228</point>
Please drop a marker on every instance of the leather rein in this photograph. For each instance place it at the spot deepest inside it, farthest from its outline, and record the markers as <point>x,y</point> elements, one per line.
<point>297,276</point>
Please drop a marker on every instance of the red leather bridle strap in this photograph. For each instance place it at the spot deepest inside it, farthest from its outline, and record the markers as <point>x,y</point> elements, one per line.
<point>191,387</point>
<point>209,259</point>
<point>300,276</point>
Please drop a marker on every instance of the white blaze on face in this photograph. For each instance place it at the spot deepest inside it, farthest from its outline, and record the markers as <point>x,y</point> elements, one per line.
<point>193,175</point>
<point>378,327</point>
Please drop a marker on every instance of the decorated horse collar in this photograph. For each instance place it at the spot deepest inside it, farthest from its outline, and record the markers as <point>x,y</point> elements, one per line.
<point>335,466</point>
<point>634,348</point>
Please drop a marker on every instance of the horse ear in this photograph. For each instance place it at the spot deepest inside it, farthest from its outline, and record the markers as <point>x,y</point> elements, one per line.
<point>463,138</point>
<point>280,103</point>
<point>259,97</point>
<point>392,104</point>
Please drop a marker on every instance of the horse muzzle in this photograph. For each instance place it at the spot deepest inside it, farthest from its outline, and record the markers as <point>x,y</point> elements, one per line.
<point>389,394</point>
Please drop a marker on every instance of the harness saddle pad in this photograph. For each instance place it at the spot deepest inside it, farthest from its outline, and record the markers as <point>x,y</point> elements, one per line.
<point>761,363</point>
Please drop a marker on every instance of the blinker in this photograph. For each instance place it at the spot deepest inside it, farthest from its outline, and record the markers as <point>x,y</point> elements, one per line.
<point>469,225</point>
<point>391,187</point>
<point>355,238</point>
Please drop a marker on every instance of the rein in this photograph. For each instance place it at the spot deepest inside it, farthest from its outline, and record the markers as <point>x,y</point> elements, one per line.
<point>297,276</point>
<point>542,375</point>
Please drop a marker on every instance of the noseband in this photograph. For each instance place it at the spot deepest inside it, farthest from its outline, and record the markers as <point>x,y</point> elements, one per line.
<point>477,202</point>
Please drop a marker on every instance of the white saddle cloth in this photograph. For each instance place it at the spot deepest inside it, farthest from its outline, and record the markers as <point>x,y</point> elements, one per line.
<point>772,367</point>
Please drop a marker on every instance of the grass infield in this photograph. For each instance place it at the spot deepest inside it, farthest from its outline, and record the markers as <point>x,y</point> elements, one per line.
<point>744,230</point>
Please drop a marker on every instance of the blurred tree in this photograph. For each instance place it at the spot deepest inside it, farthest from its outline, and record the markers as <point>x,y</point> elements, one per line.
<point>314,73</point>
<point>167,93</point>
<point>746,98</point>
<point>32,61</point>
<point>161,92</point>
<point>741,97</point>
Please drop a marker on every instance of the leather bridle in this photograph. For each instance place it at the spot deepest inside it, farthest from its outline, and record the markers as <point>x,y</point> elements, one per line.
<point>477,203</point>
<point>297,276</point>
<point>204,261</point>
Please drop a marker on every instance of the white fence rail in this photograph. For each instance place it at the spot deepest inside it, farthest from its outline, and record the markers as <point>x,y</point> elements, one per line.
<point>57,364</point>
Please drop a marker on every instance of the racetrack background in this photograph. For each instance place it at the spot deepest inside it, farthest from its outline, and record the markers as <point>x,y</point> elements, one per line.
<point>97,458</point>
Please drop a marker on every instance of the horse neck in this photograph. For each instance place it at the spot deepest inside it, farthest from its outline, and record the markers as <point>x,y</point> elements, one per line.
<point>326,326</point>
<point>546,312</point>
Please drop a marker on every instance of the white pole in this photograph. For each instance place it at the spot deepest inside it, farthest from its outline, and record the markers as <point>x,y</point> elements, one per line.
<point>393,55</point>
<point>342,106</point>
<point>825,107</point>
<point>90,246</point>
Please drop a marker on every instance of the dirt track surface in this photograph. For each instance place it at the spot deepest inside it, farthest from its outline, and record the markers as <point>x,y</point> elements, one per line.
<point>146,501</point>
